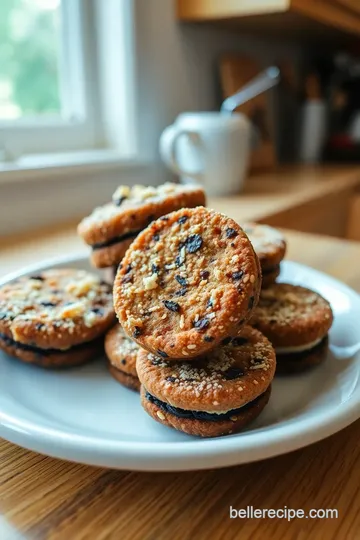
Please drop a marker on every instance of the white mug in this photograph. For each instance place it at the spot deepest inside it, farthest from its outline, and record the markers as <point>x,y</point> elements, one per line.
<point>208,148</point>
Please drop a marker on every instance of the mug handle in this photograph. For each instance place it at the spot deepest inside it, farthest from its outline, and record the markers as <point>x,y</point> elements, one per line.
<point>167,147</point>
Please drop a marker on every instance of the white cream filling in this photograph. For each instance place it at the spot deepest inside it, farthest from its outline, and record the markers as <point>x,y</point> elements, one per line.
<point>298,348</point>
<point>219,412</point>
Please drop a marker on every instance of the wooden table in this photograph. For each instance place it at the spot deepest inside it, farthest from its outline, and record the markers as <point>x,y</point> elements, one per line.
<point>41,497</point>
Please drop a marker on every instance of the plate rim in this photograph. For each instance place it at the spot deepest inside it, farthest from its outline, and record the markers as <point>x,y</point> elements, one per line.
<point>185,455</point>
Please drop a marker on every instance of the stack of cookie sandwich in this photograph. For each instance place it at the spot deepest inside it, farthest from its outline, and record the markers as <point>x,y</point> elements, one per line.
<point>270,247</point>
<point>56,318</point>
<point>111,228</point>
<point>296,320</point>
<point>122,352</point>
<point>184,292</point>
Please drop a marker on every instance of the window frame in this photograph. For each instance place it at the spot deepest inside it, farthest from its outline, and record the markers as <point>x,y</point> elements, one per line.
<point>97,117</point>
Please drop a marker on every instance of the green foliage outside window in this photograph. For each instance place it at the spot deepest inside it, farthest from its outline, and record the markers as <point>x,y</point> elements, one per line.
<point>29,58</point>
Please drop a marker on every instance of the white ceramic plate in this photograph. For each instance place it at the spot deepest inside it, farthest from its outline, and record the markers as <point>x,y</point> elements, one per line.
<point>84,415</point>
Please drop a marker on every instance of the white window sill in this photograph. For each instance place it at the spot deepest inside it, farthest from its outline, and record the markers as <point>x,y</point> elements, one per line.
<point>39,166</point>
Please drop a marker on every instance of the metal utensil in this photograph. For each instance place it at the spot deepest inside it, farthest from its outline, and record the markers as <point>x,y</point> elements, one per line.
<point>264,81</point>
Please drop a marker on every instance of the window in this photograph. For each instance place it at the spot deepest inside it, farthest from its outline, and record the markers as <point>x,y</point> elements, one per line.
<point>57,60</point>
<point>29,59</point>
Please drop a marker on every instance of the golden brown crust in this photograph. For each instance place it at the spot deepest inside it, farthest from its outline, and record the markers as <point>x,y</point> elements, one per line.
<point>137,211</point>
<point>298,362</point>
<point>226,378</point>
<point>121,350</point>
<point>290,315</point>
<point>130,381</point>
<point>269,243</point>
<point>111,255</point>
<point>200,428</point>
<point>56,309</point>
<point>71,358</point>
<point>188,281</point>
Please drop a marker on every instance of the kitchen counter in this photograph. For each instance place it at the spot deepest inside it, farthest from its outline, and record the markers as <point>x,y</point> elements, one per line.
<point>303,198</point>
<point>307,199</point>
<point>41,497</point>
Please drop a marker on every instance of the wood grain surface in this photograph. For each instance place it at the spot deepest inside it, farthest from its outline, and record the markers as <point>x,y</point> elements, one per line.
<point>331,14</point>
<point>45,498</point>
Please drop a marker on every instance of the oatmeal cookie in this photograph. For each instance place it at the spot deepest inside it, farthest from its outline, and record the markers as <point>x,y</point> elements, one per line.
<point>270,247</point>
<point>213,395</point>
<point>188,281</point>
<point>296,320</point>
<point>111,228</point>
<point>122,353</point>
<point>55,318</point>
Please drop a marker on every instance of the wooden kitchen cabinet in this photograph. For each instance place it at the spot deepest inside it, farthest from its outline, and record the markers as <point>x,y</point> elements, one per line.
<point>351,5</point>
<point>295,18</point>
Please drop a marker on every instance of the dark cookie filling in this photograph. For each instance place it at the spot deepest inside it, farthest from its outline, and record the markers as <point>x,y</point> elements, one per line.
<point>46,352</point>
<point>302,355</point>
<point>270,269</point>
<point>116,240</point>
<point>199,415</point>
